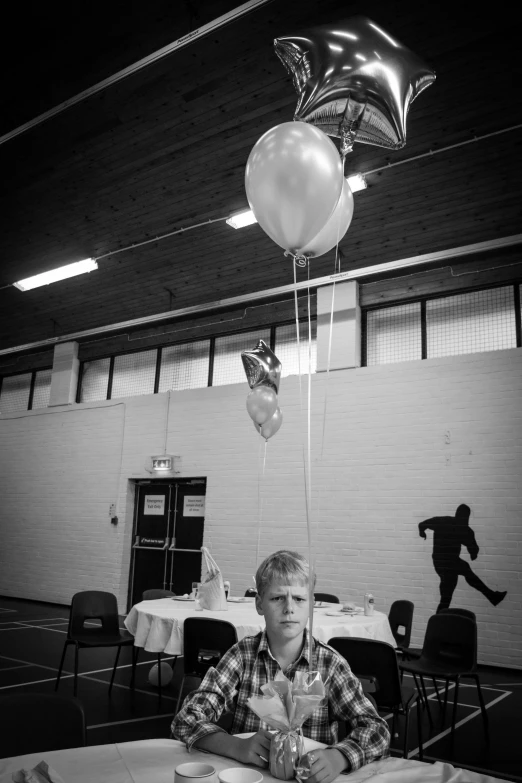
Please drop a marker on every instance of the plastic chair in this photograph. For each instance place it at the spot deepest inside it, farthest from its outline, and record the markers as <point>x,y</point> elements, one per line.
<point>250,592</point>
<point>401,616</point>
<point>449,652</point>
<point>39,722</point>
<point>376,662</point>
<point>154,594</point>
<point>96,605</point>
<point>205,641</point>
<point>328,597</point>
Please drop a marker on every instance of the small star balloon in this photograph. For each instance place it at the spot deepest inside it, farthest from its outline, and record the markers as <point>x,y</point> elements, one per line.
<point>354,81</point>
<point>262,367</point>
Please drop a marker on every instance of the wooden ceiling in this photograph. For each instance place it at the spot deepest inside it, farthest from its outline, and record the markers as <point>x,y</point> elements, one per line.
<point>166,149</point>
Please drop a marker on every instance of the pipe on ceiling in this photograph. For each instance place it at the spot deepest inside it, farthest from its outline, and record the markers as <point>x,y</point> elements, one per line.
<point>272,293</point>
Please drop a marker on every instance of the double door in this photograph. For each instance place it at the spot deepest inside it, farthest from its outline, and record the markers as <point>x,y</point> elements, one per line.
<point>169,518</point>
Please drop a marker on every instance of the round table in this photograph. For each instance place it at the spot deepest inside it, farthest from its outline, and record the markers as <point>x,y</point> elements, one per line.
<point>157,626</point>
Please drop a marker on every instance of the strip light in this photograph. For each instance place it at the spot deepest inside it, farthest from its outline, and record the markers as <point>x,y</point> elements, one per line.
<point>62,273</point>
<point>357,182</point>
<point>242,219</point>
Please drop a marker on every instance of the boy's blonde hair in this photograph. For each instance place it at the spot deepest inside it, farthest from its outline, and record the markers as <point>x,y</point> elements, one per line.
<point>284,567</point>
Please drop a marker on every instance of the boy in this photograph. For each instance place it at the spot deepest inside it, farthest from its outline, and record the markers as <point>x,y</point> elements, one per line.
<point>283,599</point>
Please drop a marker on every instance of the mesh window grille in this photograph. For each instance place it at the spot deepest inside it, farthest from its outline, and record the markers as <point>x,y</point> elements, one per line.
<point>286,348</point>
<point>469,323</point>
<point>184,366</point>
<point>134,374</point>
<point>95,380</point>
<point>393,334</point>
<point>42,389</point>
<point>228,367</point>
<point>15,393</point>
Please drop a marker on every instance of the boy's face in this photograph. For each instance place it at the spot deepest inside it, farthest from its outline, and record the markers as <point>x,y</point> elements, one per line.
<point>285,609</point>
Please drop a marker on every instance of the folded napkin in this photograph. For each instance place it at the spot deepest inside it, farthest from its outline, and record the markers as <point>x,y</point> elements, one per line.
<point>42,773</point>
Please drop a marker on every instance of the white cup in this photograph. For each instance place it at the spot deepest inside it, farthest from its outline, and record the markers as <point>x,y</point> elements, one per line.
<point>195,771</point>
<point>240,775</point>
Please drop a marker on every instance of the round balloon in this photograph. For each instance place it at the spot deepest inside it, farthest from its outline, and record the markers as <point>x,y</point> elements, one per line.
<point>261,404</point>
<point>166,674</point>
<point>271,426</point>
<point>336,227</point>
<point>293,181</point>
<point>354,81</point>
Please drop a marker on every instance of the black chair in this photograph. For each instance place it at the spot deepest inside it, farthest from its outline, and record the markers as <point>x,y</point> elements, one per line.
<point>328,597</point>
<point>250,592</point>
<point>154,594</point>
<point>401,616</point>
<point>449,652</point>
<point>459,611</point>
<point>102,606</point>
<point>376,662</point>
<point>205,641</point>
<point>39,722</point>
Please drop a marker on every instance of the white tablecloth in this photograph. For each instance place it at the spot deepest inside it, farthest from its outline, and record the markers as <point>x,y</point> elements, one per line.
<point>154,761</point>
<point>158,625</point>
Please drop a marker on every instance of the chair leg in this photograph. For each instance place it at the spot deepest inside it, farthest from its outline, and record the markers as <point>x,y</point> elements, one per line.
<point>406,727</point>
<point>135,653</point>
<point>481,701</point>
<point>446,691</point>
<point>61,665</point>
<point>426,700</point>
<point>159,676</point>
<point>180,694</point>
<point>419,732</point>
<point>76,649</point>
<point>434,681</point>
<point>456,698</point>
<point>115,667</point>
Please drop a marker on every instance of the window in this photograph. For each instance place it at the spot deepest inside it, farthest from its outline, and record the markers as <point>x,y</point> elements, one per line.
<point>95,380</point>
<point>184,366</point>
<point>134,373</point>
<point>393,334</point>
<point>469,323</point>
<point>286,348</point>
<point>16,390</point>
<point>42,389</point>
<point>228,367</point>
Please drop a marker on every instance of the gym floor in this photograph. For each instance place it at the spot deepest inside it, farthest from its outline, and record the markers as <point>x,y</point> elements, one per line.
<point>32,635</point>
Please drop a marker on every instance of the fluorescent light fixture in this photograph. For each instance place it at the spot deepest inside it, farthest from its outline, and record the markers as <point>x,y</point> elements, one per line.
<point>357,182</point>
<point>242,219</point>
<point>63,272</point>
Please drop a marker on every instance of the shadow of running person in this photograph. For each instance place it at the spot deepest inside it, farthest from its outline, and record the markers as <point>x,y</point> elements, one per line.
<point>449,535</point>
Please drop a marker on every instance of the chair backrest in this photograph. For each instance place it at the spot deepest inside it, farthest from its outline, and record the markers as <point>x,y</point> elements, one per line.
<point>461,612</point>
<point>328,597</point>
<point>39,722</point>
<point>451,642</point>
<point>250,592</point>
<point>93,605</point>
<point>154,593</point>
<point>205,641</point>
<point>375,660</point>
<point>401,615</point>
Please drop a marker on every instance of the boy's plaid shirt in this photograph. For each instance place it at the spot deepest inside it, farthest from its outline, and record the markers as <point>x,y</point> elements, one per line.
<point>249,664</point>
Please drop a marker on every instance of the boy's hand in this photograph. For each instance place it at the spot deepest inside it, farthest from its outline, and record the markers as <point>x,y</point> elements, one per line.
<point>325,765</point>
<point>255,750</point>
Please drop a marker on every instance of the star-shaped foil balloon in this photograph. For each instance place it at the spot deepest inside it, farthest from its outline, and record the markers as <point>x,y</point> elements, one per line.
<point>354,81</point>
<point>262,367</point>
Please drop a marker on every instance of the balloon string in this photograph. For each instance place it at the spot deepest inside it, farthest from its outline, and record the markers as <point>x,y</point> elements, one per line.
<point>309,504</point>
<point>260,498</point>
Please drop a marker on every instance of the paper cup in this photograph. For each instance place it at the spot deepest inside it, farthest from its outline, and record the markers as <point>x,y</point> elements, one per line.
<point>195,770</point>
<point>240,775</point>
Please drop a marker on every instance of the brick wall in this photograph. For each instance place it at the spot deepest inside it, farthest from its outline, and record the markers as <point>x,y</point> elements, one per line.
<point>399,443</point>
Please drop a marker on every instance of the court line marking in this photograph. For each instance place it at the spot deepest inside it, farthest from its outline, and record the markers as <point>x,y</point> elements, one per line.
<point>459,723</point>
<point>10,668</point>
<point>38,620</point>
<point>8,610</point>
<point>470,767</point>
<point>132,720</point>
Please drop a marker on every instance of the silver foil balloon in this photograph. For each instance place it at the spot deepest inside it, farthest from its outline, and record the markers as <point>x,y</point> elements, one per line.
<point>262,367</point>
<point>354,81</point>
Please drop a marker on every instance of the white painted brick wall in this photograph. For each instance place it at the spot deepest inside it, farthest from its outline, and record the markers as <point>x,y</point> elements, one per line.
<point>400,443</point>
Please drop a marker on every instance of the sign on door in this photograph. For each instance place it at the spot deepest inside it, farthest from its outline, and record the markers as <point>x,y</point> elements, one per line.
<point>154,504</point>
<point>194,506</point>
